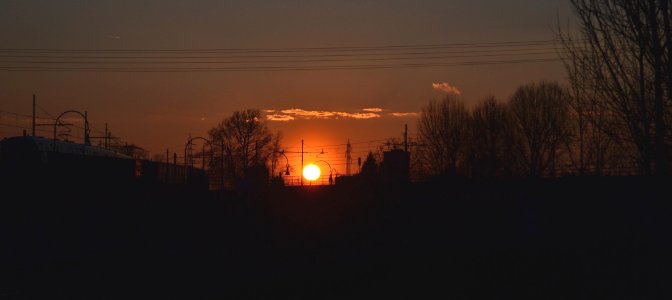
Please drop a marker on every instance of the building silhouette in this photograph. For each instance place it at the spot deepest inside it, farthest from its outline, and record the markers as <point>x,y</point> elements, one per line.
<point>395,166</point>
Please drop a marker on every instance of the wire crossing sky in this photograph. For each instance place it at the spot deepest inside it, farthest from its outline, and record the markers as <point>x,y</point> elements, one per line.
<point>159,71</point>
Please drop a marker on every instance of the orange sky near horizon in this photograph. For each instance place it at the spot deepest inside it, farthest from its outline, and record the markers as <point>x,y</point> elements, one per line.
<point>158,110</point>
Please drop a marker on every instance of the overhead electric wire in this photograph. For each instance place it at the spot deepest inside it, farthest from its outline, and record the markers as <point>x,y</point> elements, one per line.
<point>46,112</point>
<point>267,61</point>
<point>14,126</point>
<point>283,56</point>
<point>274,68</point>
<point>296,49</point>
<point>288,59</point>
<point>67,126</point>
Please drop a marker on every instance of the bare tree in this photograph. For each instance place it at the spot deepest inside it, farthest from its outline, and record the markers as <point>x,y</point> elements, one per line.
<point>591,150</point>
<point>443,132</point>
<point>539,125</point>
<point>275,154</point>
<point>246,142</point>
<point>488,147</point>
<point>624,58</point>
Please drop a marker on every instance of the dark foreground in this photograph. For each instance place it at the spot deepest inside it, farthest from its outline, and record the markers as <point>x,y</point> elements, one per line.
<point>593,238</point>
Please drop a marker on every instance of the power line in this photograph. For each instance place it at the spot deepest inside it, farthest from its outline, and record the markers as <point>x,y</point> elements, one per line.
<point>277,59</point>
<point>45,111</point>
<point>14,126</point>
<point>400,54</point>
<point>270,68</point>
<point>296,49</point>
<point>23,116</point>
<point>274,61</point>
<point>343,144</point>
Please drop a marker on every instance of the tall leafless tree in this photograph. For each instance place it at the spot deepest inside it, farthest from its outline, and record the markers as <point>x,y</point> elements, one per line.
<point>623,57</point>
<point>488,145</point>
<point>443,132</point>
<point>591,150</point>
<point>539,125</point>
<point>246,140</point>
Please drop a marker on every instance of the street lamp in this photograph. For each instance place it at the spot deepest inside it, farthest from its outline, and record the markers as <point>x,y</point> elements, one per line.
<point>331,170</point>
<point>188,147</point>
<point>287,161</point>
<point>84,115</point>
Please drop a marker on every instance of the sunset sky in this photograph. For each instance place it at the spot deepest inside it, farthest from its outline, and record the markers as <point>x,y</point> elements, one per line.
<point>297,73</point>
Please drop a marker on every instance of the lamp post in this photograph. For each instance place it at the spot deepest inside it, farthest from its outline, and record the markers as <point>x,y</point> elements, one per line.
<point>187,146</point>
<point>84,115</point>
<point>287,162</point>
<point>189,143</point>
<point>331,170</point>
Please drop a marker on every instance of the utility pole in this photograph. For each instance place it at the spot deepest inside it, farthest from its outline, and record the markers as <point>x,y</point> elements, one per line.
<point>106,137</point>
<point>34,115</point>
<point>406,137</point>
<point>166,167</point>
<point>348,157</point>
<point>174,173</point>
<point>222,167</point>
<point>87,140</point>
<point>203,157</point>
<point>301,175</point>
<point>185,150</point>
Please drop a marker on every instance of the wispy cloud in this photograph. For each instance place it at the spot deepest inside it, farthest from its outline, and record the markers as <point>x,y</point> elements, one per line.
<point>279,118</point>
<point>367,115</point>
<point>309,113</point>
<point>446,87</point>
<point>322,114</point>
<point>284,115</point>
<point>404,114</point>
<point>114,36</point>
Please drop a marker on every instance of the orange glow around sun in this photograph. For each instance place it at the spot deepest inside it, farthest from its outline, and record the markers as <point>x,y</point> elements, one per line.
<point>311,172</point>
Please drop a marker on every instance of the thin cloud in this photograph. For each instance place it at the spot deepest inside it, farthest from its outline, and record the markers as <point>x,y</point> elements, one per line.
<point>446,87</point>
<point>361,116</point>
<point>114,36</point>
<point>309,113</point>
<point>291,114</point>
<point>279,118</point>
<point>404,114</point>
<point>298,113</point>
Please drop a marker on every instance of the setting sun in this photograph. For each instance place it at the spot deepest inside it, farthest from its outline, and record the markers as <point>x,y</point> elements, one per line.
<point>311,172</point>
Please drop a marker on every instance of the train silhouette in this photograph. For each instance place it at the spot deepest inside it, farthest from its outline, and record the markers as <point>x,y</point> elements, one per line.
<point>38,160</point>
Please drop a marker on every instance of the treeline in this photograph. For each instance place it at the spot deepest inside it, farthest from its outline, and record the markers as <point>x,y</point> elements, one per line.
<point>620,71</point>
<point>533,134</point>
<point>538,132</point>
<point>612,119</point>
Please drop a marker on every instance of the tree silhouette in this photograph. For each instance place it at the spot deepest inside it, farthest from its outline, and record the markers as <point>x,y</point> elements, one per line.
<point>623,60</point>
<point>540,125</point>
<point>246,143</point>
<point>443,130</point>
<point>592,150</point>
<point>489,138</point>
<point>370,166</point>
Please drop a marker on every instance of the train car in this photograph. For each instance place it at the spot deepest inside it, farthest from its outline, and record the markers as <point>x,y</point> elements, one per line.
<point>41,161</point>
<point>29,147</point>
